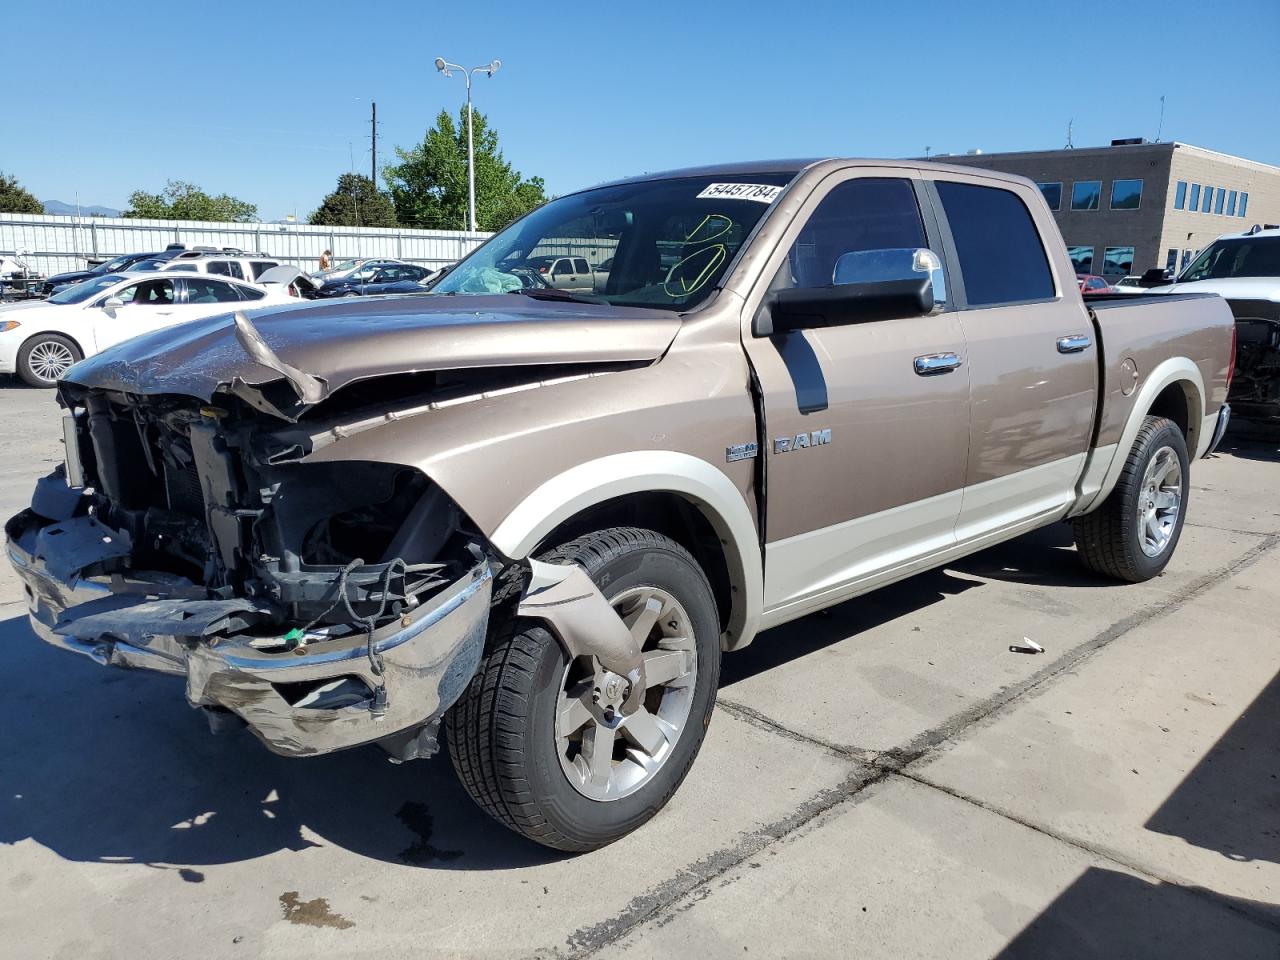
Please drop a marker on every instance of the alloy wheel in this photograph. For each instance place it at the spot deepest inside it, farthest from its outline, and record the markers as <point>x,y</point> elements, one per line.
<point>1159,502</point>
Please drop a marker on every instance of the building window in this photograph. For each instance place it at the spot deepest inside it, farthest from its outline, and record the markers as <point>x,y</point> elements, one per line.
<point>1186,257</point>
<point>1180,195</point>
<point>1086,194</point>
<point>1171,261</point>
<point>1244,203</point>
<point>1081,259</point>
<point>1052,194</point>
<point>1117,260</point>
<point>1126,194</point>
<point>1195,198</point>
<point>1207,203</point>
<point>1231,204</point>
<point>1219,200</point>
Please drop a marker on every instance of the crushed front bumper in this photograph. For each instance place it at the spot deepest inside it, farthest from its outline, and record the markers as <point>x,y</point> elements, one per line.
<point>311,699</point>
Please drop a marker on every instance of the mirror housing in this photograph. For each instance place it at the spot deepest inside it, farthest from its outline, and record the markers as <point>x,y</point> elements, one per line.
<point>112,304</point>
<point>846,303</point>
<point>867,286</point>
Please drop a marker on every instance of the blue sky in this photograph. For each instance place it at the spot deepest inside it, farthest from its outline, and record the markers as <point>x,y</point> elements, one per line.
<point>260,100</point>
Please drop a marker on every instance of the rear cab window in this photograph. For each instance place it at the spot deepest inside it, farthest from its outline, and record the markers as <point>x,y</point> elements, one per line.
<point>1001,254</point>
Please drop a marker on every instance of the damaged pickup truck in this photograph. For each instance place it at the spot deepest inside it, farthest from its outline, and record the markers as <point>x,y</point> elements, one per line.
<point>530,520</point>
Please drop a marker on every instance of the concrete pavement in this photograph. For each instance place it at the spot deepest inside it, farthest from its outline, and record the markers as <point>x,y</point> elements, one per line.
<point>882,780</point>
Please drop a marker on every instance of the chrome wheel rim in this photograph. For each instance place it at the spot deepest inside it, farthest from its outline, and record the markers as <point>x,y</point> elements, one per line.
<point>1160,502</point>
<point>605,755</point>
<point>50,360</point>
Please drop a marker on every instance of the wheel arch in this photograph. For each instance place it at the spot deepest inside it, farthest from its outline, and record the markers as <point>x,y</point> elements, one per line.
<point>1175,389</point>
<point>682,496</point>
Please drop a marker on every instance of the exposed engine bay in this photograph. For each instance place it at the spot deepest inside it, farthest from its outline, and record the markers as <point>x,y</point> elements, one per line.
<point>1255,391</point>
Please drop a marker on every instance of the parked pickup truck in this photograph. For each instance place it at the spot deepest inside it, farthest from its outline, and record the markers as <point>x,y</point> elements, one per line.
<point>538,517</point>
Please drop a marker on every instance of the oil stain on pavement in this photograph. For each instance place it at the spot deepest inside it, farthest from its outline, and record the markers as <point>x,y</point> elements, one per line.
<point>311,913</point>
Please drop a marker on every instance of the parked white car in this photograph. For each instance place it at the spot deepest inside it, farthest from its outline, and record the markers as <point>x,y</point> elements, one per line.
<point>41,339</point>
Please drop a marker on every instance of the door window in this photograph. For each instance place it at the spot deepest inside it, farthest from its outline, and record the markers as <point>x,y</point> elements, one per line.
<point>208,290</point>
<point>149,293</point>
<point>563,268</point>
<point>1001,257</point>
<point>869,213</point>
<point>580,265</point>
<point>259,267</point>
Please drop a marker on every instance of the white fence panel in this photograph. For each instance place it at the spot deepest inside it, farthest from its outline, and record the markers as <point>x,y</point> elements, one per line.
<point>54,244</point>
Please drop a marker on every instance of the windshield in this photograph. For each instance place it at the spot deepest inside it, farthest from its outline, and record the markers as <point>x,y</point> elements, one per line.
<point>85,289</point>
<point>659,243</point>
<point>116,263</point>
<point>147,265</point>
<point>1236,257</point>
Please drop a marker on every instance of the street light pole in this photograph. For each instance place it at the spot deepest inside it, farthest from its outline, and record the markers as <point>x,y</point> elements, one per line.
<point>447,69</point>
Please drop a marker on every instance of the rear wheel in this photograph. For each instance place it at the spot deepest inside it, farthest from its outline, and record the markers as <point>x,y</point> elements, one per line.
<point>1132,535</point>
<point>45,358</point>
<point>534,739</point>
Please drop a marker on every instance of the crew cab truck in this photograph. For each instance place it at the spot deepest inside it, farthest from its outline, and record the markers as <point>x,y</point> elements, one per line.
<point>531,521</point>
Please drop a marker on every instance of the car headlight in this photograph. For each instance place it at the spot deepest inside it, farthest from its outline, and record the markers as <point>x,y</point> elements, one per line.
<point>8,325</point>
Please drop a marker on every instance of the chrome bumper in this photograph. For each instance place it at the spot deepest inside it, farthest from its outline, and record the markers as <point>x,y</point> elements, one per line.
<point>1220,429</point>
<point>284,695</point>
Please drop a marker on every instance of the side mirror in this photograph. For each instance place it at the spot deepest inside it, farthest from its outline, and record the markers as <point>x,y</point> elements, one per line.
<point>112,304</point>
<point>867,286</point>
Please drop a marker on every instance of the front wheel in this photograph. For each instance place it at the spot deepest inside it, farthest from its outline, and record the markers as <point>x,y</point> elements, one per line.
<point>542,752</point>
<point>45,358</point>
<point>1132,535</point>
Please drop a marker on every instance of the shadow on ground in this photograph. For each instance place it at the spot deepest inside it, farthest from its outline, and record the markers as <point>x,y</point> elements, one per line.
<point>113,766</point>
<point>1230,801</point>
<point>1108,914</point>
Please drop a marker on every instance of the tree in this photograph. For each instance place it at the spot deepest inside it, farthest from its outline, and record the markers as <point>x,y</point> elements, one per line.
<point>186,201</point>
<point>14,198</point>
<point>356,203</point>
<point>429,184</point>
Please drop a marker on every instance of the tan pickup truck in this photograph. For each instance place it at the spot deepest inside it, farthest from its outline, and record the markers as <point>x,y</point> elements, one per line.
<point>539,517</point>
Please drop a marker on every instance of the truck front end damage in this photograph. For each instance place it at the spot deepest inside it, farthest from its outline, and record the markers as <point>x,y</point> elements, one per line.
<point>324,604</point>
<point>1255,389</point>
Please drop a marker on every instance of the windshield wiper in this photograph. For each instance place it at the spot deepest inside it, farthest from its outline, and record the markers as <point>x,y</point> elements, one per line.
<point>552,293</point>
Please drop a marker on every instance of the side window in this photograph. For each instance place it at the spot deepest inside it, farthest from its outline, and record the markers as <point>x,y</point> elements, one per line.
<point>209,290</point>
<point>248,293</point>
<point>580,265</point>
<point>865,215</point>
<point>259,267</point>
<point>184,268</point>
<point>149,293</point>
<point>221,267</point>
<point>1001,256</point>
<point>563,268</point>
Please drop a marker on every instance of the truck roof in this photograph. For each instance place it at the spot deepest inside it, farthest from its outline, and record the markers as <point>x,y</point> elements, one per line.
<point>795,166</point>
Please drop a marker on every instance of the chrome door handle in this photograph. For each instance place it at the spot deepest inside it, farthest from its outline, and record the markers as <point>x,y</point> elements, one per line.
<point>1074,343</point>
<point>933,364</point>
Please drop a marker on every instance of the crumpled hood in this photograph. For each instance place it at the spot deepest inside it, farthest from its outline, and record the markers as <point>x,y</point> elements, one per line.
<point>340,343</point>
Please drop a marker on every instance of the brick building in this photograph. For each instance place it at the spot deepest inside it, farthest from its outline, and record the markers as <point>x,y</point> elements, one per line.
<point>1131,206</point>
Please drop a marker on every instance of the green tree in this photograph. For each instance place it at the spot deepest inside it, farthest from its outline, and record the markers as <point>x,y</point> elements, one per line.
<point>356,203</point>
<point>14,198</point>
<point>186,201</point>
<point>429,184</point>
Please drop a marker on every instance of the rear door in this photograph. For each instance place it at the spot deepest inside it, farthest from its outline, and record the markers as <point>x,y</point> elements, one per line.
<point>865,454</point>
<point>1032,360</point>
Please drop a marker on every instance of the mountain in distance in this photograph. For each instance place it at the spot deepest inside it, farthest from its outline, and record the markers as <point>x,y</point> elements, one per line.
<point>61,209</point>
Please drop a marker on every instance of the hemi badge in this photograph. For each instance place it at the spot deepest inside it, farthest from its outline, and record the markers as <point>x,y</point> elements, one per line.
<point>741,451</point>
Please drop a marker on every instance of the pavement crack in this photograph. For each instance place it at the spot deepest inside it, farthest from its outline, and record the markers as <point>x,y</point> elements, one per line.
<point>764,722</point>
<point>1101,853</point>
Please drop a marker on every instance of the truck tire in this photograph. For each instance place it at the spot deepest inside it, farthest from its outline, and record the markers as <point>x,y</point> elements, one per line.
<point>523,737</point>
<point>1132,534</point>
<point>46,357</point>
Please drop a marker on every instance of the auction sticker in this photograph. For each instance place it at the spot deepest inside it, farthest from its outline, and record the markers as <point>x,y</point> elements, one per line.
<point>759,192</point>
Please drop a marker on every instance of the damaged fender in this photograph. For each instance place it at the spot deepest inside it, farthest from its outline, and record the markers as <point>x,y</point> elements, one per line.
<point>586,625</point>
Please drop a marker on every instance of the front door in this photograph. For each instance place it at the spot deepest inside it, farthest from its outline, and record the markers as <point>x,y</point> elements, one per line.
<point>147,305</point>
<point>866,448</point>
<point>1033,365</point>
